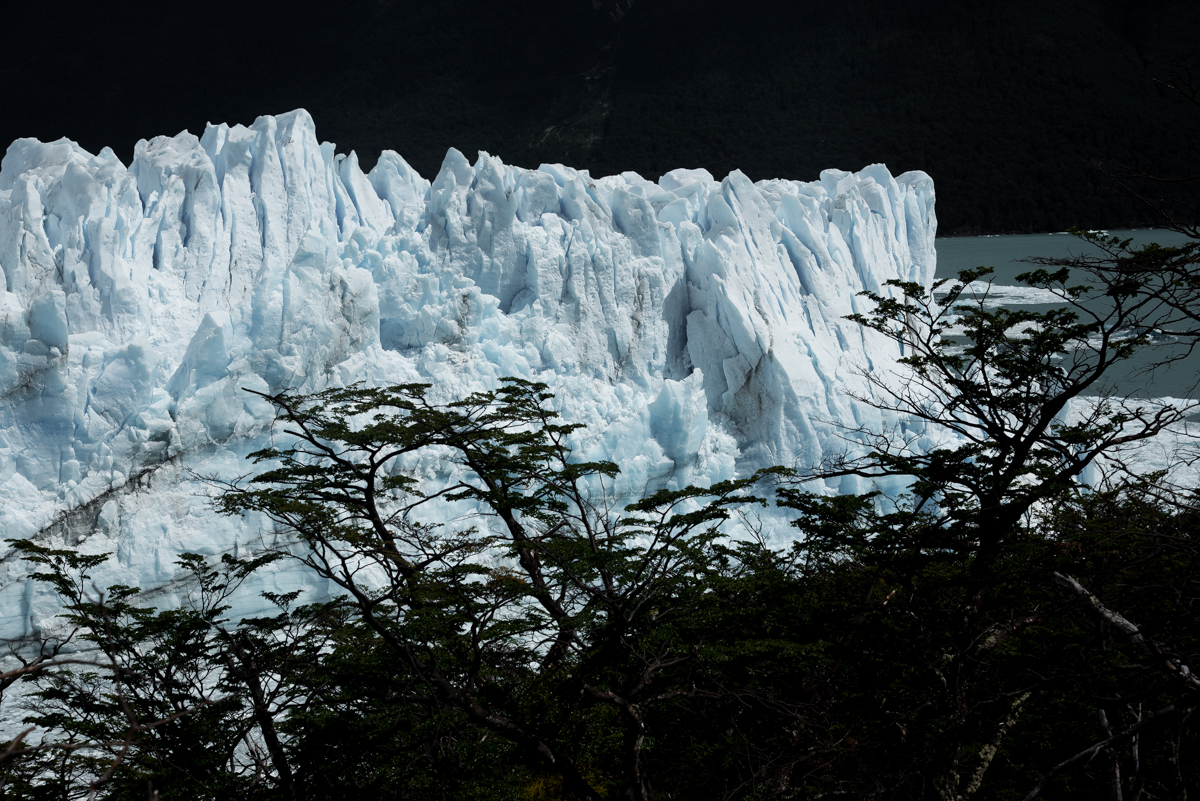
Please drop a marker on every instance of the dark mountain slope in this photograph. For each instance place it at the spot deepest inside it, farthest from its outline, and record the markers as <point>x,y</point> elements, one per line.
<point>1006,104</point>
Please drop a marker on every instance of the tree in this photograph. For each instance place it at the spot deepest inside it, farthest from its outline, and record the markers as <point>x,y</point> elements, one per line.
<point>516,632</point>
<point>135,697</point>
<point>560,611</point>
<point>951,569</point>
<point>564,647</point>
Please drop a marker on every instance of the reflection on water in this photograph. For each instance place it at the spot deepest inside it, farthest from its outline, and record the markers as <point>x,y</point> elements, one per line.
<point>1004,254</point>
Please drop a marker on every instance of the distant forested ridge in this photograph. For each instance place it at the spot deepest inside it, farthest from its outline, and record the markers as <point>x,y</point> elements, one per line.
<point>1008,105</point>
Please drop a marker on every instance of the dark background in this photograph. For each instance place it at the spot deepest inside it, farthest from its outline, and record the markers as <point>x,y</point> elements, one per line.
<point>1008,105</point>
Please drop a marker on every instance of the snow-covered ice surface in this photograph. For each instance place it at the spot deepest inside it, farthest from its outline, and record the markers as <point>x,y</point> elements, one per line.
<point>1175,450</point>
<point>695,326</point>
<point>1002,294</point>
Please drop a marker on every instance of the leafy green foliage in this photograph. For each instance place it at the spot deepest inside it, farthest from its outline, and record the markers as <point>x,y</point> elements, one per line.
<point>515,635</point>
<point>574,620</point>
<point>156,678</point>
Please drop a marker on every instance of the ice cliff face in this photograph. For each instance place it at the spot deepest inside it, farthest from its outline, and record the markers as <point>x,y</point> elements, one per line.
<point>697,327</point>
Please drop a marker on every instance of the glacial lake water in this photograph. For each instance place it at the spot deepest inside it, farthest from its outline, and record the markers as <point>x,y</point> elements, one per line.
<point>1005,254</point>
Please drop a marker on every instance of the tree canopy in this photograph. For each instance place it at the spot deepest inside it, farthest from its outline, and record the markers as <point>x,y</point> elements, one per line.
<point>1019,622</point>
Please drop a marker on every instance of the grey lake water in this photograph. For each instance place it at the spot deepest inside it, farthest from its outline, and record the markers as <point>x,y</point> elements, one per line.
<point>1005,255</point>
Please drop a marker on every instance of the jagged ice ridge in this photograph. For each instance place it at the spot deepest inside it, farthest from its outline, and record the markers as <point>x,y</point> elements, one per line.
<point>696,327</point>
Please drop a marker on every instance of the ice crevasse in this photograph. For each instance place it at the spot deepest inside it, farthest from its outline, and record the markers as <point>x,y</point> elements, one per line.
<point>697,327</point>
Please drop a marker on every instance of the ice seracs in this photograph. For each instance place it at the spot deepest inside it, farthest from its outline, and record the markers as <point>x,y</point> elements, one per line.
<point>695,326</point>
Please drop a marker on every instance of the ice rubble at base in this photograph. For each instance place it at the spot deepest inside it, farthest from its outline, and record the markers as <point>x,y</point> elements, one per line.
<point>696,327</point>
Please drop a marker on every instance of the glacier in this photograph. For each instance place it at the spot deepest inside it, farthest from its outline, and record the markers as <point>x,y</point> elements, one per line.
<point>695,326</point>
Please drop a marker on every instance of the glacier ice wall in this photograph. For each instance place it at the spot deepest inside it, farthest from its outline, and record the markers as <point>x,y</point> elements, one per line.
<point>696,326</point>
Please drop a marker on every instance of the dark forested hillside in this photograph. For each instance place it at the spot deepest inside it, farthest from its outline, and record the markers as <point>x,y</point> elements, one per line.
<point>1007,104</point>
